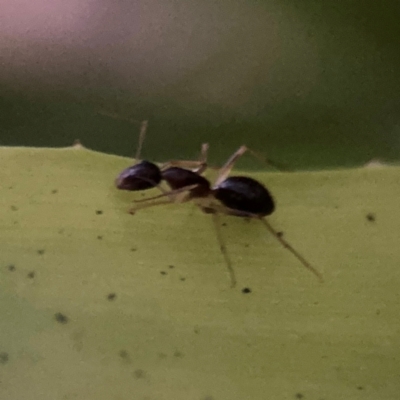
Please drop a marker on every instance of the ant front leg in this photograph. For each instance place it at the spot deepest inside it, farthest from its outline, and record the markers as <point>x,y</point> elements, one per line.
<point>175,197</point>
<point>133,210</point>
<point>172,194</point>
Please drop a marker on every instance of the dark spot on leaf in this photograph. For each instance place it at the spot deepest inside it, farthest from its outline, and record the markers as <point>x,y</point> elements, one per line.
<point>246,290</point>
<point>133,249</point>
<point>246,245</point>
<point>171,266</point>
<point>4,357</point>
<point>182,278</point>
<point>99,212</point>
<point>99,237</point>
<point>280,233</point>
<point>14,208</point>
<point>178,354</point>
<point>31,274</point>
<point>163,272</point>
<point>299,396</point>
<point>371,217</point>
<point>378,312</point>
<point>139,373</point>
<point>196,330</point>
<point>54,191</point>
<point>224,224</point>
<point>123,354</point>
<point>61,318</point>
<point>111,296</point>
<point>11,267</point>
<point>41,251</point>
<point>360,387</point>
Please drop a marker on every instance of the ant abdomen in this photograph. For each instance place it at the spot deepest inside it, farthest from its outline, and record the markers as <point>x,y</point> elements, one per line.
<point>245,194</point>
<point>142,176</point>
<point>178,178</point>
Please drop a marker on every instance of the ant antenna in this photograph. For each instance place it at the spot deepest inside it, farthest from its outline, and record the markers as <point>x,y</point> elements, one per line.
<point>286,245</point>
<point>142,134</point>
<point>143,128</point>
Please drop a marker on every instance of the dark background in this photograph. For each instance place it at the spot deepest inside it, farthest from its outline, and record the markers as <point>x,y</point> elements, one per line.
<point>313,84</point>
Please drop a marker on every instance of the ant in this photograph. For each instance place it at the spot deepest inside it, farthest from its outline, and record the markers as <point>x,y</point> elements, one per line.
<point>239,196</point>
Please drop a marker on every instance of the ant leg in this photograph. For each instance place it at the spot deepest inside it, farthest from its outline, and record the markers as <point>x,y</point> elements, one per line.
<point>170,194</point>
<point>133,210</point>
<point>286,245</point>
<point>196,166</point>
<point>227,167</point>
<point>222,247</point>
<point>214,208</point>
<point>209,207</point>
<point>182,196</point>
<point>267,161</point>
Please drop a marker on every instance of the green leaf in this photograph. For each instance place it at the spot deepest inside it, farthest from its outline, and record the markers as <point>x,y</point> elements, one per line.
<point>99,304</point>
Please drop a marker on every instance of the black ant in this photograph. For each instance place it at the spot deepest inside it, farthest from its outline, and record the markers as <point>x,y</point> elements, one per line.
<point>239,196</point>
<point>179,174</point>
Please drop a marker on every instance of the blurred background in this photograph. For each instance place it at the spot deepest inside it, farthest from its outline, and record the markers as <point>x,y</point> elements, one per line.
<point>313,84</point>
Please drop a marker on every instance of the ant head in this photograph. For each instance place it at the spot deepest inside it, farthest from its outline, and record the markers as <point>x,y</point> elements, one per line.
<point>141,176</point>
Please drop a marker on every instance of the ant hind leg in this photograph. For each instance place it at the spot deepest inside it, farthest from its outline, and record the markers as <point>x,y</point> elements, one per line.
<point>223,249</point>
<point>227,167</point>
<point>214,209</point>
<point>287,246</point>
